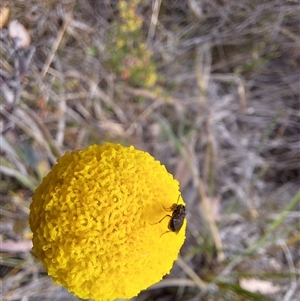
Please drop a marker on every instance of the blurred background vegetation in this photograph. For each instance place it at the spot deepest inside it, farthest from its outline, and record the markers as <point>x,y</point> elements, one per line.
<point>208,87</point>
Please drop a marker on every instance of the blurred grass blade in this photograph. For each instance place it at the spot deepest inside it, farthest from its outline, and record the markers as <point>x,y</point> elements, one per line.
<point>5,146</point>
<point>25,180</point>
<point>16,158</point>
<point>275,224</point>
<point>242,293</point>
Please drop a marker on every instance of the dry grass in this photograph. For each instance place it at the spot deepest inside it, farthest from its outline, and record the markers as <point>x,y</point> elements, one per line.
<point>223,117</point>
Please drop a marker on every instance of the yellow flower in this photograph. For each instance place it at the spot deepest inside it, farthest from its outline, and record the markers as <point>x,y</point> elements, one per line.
<point>95,222</point>
<point>122,5</point>
<point>120,43</point>
<point>151,79</point>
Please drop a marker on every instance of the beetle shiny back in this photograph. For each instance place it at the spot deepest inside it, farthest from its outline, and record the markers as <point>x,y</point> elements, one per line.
<point>177,218</point>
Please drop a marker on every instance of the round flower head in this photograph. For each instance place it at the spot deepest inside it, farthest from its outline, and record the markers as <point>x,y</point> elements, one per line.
<point>98,221</point>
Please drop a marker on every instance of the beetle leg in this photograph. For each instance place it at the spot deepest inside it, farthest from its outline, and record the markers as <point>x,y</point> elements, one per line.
<point>162,219</point>
<point>164,233</point>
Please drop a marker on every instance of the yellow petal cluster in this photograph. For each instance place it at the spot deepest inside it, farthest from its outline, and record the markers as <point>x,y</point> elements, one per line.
<point>95,219</point>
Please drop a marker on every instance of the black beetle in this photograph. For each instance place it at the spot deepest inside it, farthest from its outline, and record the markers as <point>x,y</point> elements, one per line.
<point>176,219</point>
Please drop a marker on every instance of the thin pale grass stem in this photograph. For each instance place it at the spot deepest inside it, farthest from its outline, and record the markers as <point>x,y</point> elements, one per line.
<point>209,164</point>
<point>198,281</point>
<point>153,23</point>
<point>173,283</point>
<point>203,69</point>
<point>289,258</point>
<point>290,34</point>
<point>62,104</point>
<point>61,32</point>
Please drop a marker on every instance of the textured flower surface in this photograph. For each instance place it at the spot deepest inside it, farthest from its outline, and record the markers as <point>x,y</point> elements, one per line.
<point>95,219</point>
